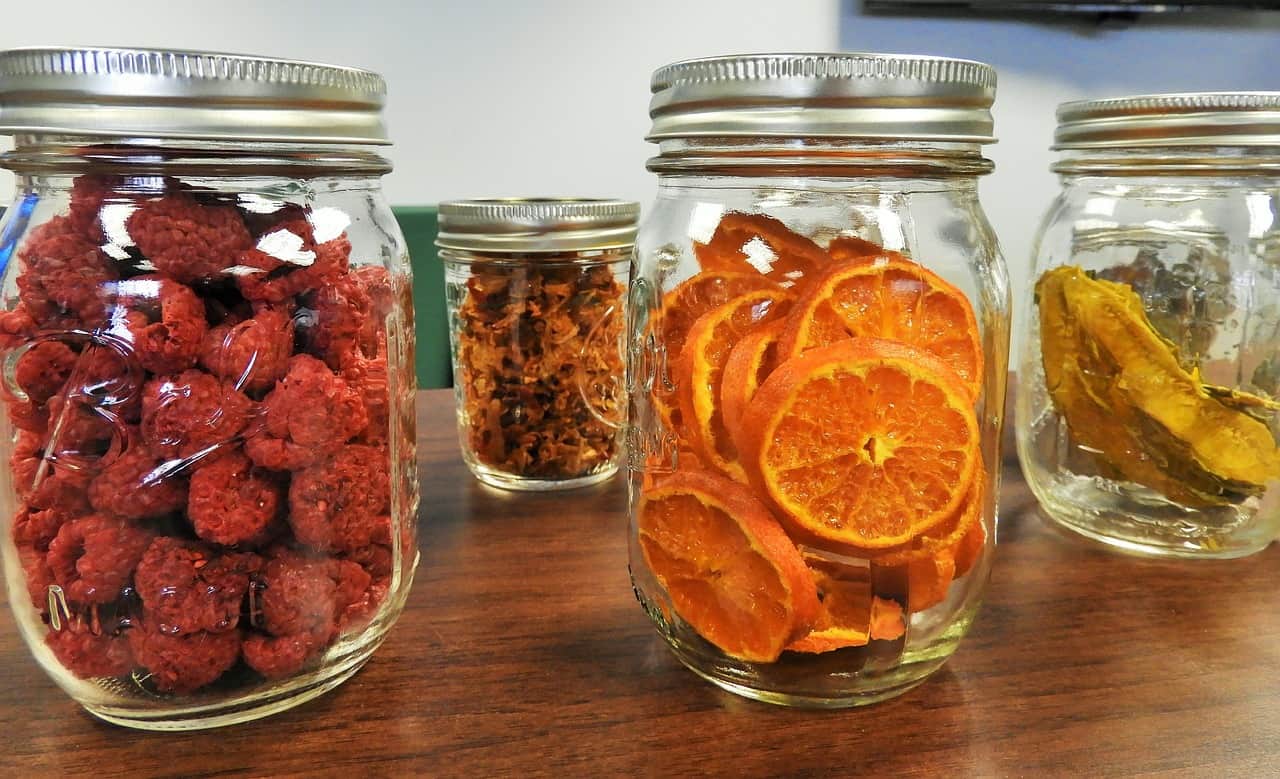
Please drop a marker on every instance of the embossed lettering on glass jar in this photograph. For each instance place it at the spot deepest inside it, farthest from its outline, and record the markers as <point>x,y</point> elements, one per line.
<point>208,383</point>
<point>1147,412</point>
<point>536,290</point>
<point>817,346</point>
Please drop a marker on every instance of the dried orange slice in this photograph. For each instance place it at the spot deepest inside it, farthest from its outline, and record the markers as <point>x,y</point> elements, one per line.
<point>849,616</point>
<point>729,569</point>
<point>851,248</point>
<point>890,298</point>
<point>969,549</point>
<point>944,538</point>
<point>750,363</point>
<point>700,369</point>
<point>780,254</point>
<point>865,443</point>
<point>681,308</point>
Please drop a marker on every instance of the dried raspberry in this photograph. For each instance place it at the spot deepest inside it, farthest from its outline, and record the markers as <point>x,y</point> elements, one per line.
<point>188,241</point>
<point>16,327</point>
<point>64,275</point>
<point>36,528</point>
<point>43,369</point>
<point>138,485</point>
<point>342,321</point>
<point>38,575</point>
<point>368,377</point>
<point>342,505</point>
<point>186,587</point>
<point>93,557</point>
<point>355,601</point>
<point>185,414</point>
<point>164,320</point>
<point>77,425</point>
<point>299,596</point>
<point>48,487</point>
<point>231,502</point>
<point>286,261</point>
<point>277,657</point>
<point>375,558</point>
<point>88,193</point>
<point>253,353</point>
<point>88,654</point>
<point>310,413</point>
<point>183,663</point>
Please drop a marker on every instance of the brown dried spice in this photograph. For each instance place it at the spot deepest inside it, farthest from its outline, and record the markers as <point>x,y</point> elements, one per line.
<point>525,343</point>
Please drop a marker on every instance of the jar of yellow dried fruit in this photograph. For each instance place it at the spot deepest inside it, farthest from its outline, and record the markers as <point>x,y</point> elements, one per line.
<point>1146,411</point>
<point>535,291</point>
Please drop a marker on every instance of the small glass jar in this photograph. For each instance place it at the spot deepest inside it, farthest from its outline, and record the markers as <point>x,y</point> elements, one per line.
<point>817,345</point>
<point>1147,382</point>
<point>210,493</point>
<point>535,289</point>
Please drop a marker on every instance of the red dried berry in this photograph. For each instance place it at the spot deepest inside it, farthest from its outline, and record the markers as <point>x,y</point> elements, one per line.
<point>43,369</point>
<point>187,587</point>
<point>16,327</point>
<point>138,485</point>
<point>48,487</point>
<point>231,502</point>
<point>298,596</point>
<point>276,657</point>
<point>253,353</point>
<point>184,415</point>
<point>65,276</point>
<point>286,261</point>
<point>309,414</point>
<point>368,377</point>
<point>188,241</point>
<point>354,597</point>
<point>183,663</point>
<point>88,654</point>
<point>164,320</point>
<point>341,322</point>
<point>93,557</point>
<point>342,505</point>
<point>38,575</point>
<point>36,527</point>
<point>375,558</point>
<point>88,193</point>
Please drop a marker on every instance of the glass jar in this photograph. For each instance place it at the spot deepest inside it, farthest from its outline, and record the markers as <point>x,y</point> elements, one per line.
<point>817,345</point>
<point>535,289</point>
<point>208,381</point>
<point>1147,382</point>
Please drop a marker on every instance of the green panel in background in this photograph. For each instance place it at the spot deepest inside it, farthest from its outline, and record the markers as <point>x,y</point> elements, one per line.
<point>419,224</point>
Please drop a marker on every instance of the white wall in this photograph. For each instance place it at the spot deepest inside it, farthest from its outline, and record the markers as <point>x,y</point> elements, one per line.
<point>506,98</point>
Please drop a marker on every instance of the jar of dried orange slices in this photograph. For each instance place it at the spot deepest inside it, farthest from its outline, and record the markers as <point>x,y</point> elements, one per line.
<point>817,345</point>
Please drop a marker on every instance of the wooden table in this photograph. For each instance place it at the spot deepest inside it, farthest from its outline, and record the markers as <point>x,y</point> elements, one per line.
<point>522,650</point>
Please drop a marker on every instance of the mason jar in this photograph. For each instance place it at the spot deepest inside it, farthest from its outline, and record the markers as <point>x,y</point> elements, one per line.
<point>1147,381</point>
<point>817,347</point>
<point>535,291</point>
<point>208,385</point>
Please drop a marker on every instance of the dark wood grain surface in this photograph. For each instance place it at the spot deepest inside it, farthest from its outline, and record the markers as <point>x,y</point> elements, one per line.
<point>522,651</point>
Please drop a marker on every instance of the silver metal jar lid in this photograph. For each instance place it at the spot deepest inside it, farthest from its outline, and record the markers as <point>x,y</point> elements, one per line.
<point>537,224</point>
<point>159,93</point>
<point>856,95</point>
<point>1190,119</point>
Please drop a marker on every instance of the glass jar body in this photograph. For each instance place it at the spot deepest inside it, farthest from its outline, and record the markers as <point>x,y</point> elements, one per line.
<point>537,364</point>
<point>711,485</point>
<point>1144,418</point>
<point>211,492</point>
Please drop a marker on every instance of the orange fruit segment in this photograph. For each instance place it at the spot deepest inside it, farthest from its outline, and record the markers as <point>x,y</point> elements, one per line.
<point>969,549</point>
<point>893,298</point>
<point>681,309</point>
<point>849,248</point>
<point>730,571</point>
<point>700,370</point>
<point>750,363</point>
<point>947,535</point>
<point>787,256</point>
<point>863,444</point>
<point>849,616</point>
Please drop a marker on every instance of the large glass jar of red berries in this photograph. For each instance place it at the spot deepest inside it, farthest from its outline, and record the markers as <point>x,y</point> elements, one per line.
<point>817,352</point>
<point>208,383</point>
